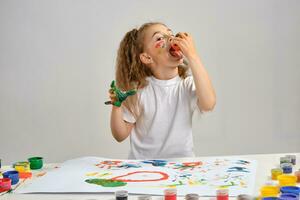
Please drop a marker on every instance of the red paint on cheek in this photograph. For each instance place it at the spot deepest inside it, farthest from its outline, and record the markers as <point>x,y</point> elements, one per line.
<point>159,44</point>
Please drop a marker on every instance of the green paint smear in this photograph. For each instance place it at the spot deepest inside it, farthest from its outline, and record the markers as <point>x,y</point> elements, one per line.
<point>106,182</point>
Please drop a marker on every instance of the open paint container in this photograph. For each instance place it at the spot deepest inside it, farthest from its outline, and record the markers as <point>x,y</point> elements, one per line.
<point>36,162</point>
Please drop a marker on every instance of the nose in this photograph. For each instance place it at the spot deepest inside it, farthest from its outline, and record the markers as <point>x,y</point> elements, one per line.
<point>170,38</point>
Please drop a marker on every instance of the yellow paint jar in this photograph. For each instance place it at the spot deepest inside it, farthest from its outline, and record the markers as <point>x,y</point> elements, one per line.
<point>22,166</point>
<point>287,180</point>
<point>275,173</point>
<point>269,191</point>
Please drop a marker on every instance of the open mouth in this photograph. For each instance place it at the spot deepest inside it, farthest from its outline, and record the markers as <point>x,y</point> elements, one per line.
<point>175,51</point>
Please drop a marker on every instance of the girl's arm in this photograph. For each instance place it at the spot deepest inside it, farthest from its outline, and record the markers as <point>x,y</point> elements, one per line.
<point>120,129</point>
<point>204,89</point>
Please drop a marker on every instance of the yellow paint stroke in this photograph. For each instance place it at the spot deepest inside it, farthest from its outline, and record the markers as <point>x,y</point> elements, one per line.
<point>104,174</point>
<point>195,182</point>
<point>92,174</point>
<point>242,184</point>
<point>98,174</point>
<point>191,183</point>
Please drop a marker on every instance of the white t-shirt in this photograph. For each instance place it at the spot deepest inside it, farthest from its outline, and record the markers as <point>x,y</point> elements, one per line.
<point>164,128</point>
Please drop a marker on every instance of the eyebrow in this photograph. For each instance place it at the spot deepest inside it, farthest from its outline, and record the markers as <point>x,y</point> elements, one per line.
<point>161,32</point>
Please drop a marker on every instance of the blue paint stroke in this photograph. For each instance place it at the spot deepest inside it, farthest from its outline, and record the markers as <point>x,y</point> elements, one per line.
<point>159,163</point>
<point>238,169</point>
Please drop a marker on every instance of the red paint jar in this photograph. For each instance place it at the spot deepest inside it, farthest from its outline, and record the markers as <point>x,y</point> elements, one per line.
<point>170,194</point>
<point>222,194</point>
<point>5,184</point>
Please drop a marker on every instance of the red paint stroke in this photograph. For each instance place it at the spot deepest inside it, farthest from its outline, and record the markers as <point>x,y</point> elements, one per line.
<point>109,163</point>
<point>164,176</point>
<point>192,164</point>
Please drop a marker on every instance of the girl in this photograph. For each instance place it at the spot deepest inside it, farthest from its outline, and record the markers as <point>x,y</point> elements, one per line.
<point>158,117</point>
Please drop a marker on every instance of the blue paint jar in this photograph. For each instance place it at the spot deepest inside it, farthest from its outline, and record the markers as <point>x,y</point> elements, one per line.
<point>290,189</point>
<point>287,168</point>
<point>13,175</point>
<point>289,196</point>
<point>270,198</point>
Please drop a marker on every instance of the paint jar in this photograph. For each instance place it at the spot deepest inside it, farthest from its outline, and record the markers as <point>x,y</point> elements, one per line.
<point>290,189</point>
<point>297,174</point>
<point>170,194</point>
<point>36,162</point>
<point>222,194</point>
<point>192,197</point>
<point>269,191</point>
<point>244,197</point>
<point>269,198</point>
<point>121,195</point>
<point>288,196</point>
<point>24,175</point>
<point>276,172</point>
<point>287,180</point>
<point>13,175</point>
<point>23,166</point>
<point>292,158</point>
<point>285,160</point>
<point>145,197</point>
<point>287,168</point>
<point>5,184</point>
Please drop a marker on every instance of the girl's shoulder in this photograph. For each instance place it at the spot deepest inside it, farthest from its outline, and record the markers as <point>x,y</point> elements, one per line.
<point>177,83</point>
<point>188,81</point>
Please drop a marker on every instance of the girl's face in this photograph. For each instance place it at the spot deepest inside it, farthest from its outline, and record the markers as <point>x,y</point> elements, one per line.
<point>157,45</point>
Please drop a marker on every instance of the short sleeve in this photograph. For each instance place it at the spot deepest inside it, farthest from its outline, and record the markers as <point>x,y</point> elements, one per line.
<point>191,90</point>
<point>127,115</point>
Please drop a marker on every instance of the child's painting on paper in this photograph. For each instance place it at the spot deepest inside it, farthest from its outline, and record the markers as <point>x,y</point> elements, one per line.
<point>96,175</point>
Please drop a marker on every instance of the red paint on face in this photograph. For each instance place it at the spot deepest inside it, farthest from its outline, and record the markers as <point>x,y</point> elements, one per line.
<point>159,44</point>
<point>176,47</point>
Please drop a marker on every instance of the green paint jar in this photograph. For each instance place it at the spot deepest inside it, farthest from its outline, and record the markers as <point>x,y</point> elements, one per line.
<point>36,162</point>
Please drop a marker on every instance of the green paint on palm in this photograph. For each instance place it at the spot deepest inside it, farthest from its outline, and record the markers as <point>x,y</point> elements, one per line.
<point>121,96</point>
<point>106,182</point>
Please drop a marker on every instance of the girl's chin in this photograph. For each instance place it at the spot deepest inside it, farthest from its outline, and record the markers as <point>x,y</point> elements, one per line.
<point>173,58</point>
<point>174,61</point>
<point>178,61</point>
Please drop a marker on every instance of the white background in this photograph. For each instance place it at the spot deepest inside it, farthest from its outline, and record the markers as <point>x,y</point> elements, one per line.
<point>57,59</point>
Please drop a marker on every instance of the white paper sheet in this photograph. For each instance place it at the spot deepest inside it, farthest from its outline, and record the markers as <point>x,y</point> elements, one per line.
<point>102,175</point>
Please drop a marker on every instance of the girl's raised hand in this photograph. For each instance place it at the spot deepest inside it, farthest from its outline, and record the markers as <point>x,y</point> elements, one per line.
<point>117,96</point>
<point>186,44</point>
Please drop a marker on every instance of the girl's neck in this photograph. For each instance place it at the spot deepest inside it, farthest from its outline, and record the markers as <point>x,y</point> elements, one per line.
<point>165,73</point>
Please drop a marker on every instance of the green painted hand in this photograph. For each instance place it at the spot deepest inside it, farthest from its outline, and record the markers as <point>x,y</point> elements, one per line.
<point>119,96</point>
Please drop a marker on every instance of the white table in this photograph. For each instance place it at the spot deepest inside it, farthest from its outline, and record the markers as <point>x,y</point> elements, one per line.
<point>265,163</point>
